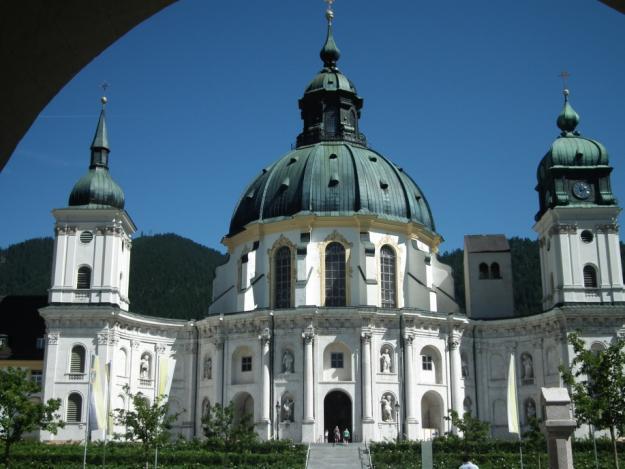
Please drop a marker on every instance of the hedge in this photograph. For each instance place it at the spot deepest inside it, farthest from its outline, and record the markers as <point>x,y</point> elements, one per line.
<point>491,454</point>
<point>274,455</point>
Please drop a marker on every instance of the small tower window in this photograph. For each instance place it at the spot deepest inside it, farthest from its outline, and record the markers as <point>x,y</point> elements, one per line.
<point>388,277</point>
<point>282,285</point>
<point>84,278</point>
<point>590,277</point>
<point>587,236</point>
<point>483,271</point>
<point>74,408</point>
<point>494,270</point>
<point>335,275</point>
<point>77,361</point>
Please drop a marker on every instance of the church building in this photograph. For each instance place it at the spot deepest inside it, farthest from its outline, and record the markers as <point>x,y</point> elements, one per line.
<point>333,308</point>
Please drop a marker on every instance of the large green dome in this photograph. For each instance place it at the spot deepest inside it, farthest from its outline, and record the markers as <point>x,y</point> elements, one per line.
<point>332,172</point>
<point>332,179</point>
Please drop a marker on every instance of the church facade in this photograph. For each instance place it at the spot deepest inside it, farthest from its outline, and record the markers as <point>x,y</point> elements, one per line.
<point>333,309</point>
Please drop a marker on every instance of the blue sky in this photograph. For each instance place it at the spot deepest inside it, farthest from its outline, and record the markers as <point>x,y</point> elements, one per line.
<point>462,95</point>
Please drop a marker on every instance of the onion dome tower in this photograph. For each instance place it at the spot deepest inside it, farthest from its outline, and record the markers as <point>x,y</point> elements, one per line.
<point>577,219</point>
<point>332,199</point>
<point>97,188</point>
<point>92,242</point>
<point>332,171</point>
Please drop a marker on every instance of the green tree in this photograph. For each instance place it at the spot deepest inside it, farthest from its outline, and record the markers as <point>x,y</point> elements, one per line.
<point>221,428</point>
<point>472,430</point>
<point>596,379</point>
<point>534,439</point>
<point>145,422</point>
<point>21,411</point>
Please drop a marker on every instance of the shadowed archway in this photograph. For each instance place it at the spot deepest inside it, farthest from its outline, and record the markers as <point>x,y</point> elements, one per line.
<point>337,411</point>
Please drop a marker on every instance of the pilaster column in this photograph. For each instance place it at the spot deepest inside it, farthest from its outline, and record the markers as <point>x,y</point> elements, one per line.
<point>263,424</point>
<point>308,336</point>
<point>218,368</point>
<point>456,373</point>
<point>409,399</point>
<point>308,425</point>
<point>265,338</point>
<point>366,370</point>
<point>410,387</point>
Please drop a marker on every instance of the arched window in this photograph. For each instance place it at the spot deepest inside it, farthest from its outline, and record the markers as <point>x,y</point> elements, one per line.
<point>282,278</point>
<point>74,408</point>
<point>494,270</point>
<point>335,275</point>
<point>388,277</point>
<point>483,270</point>
<point>77,360</point>
<point>84,278</point>
<point>590,277</point>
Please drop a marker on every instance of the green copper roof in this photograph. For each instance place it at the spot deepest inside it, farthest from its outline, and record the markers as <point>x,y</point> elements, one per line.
<point>572,159</point>
<point>332,179</point>
<point>97,189</point>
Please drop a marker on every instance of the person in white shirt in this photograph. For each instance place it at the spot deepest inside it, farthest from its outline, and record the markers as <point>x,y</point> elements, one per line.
<point>467,464</point>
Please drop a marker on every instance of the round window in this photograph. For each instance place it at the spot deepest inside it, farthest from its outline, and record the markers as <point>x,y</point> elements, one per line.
<point>587,236</point>
<point>86,237</point>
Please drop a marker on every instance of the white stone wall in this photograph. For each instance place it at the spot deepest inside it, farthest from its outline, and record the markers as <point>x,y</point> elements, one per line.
<point>120,340</point>
<point>107,254</point>
<point>244,282</point>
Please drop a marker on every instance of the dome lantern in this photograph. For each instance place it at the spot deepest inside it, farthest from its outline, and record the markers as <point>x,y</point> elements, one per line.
<point>330,107</point>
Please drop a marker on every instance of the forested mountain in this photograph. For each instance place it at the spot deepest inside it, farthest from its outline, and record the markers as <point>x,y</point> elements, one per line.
<point>525,274</point>
<point>170,276</point>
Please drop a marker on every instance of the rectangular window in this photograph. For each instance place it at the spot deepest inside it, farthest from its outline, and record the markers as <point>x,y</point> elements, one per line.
<point>246,364</point>
<point>427,363</point>
<point>40,343</point>
<point>336,360</point>
<point>37,376</point>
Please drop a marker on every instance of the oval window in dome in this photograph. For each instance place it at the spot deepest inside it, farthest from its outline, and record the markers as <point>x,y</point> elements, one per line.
<point>86,237</point>
<point>333,156</point>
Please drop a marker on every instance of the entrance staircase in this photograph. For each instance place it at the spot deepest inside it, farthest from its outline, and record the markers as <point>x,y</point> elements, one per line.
<point>340,456</point>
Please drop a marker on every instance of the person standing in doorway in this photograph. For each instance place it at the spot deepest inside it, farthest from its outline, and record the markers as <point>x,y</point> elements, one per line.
<point>337,435</point>
<point>346,436</point>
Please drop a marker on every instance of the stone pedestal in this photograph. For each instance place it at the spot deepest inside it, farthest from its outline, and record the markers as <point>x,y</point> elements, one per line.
<point>559,425</point>
<point>368,430</point>
<point>412,429</point>
<point>308,432</point>
<point>263,429</point>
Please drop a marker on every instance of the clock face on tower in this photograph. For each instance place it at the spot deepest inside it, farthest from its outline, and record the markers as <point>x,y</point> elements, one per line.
<point>581,190</point>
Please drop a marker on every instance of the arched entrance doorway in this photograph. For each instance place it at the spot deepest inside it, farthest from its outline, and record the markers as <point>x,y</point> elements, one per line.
<point>337,411</point>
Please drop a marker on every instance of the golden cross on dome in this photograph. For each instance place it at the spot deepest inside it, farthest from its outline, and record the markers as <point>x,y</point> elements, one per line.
<point>564,75</point>
<point>104,86</point>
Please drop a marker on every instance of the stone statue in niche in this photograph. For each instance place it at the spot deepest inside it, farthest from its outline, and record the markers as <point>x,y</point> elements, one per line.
<point>527,367</point>
<point>530,409</point>
<point>287,410</point>
<point>386,362</point>
<point>208,367</point>
<point>467,405</point>
<point>287,362</point>
<point>464,366</point>
<point>387,408</point>
<point>144,366</point>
